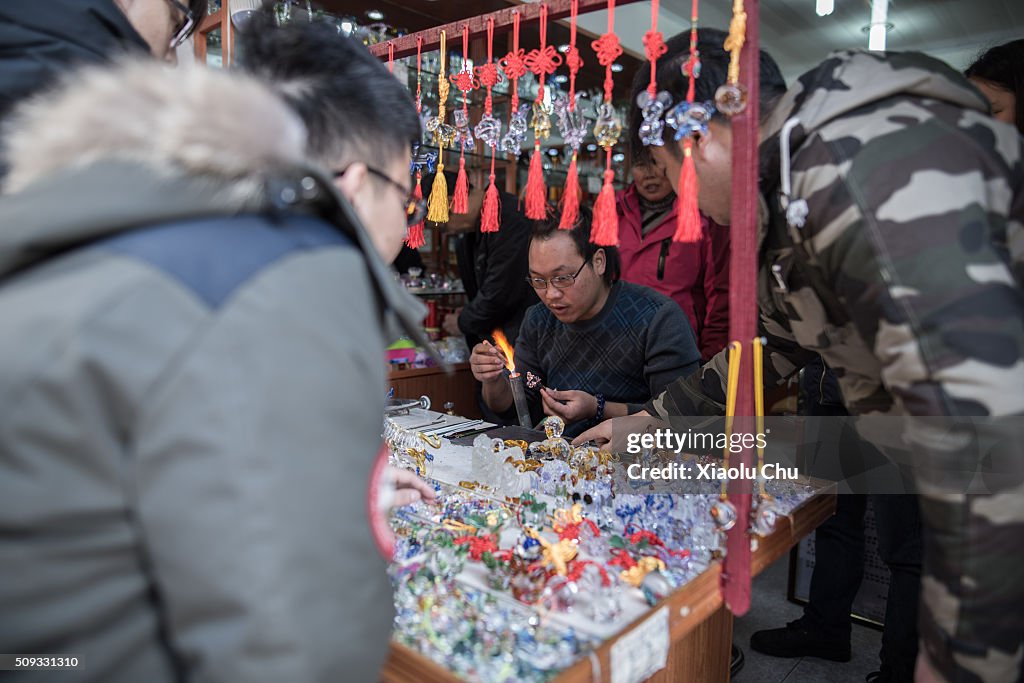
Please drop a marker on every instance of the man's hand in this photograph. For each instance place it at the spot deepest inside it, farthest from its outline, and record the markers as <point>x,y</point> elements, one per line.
<point>408,488</point>
<point>612,434</point>
<point>487,363</point>
<point>571,406</point>
<point>600,434</point>
<point>451,324</point>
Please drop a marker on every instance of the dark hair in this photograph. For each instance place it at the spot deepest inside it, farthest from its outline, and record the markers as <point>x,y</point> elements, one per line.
<point>580,234</point>
<point>353,109</point>
<point>714,69</point>
<point>199,9</point>
<point>450,177</point>
<point>1003,67</point>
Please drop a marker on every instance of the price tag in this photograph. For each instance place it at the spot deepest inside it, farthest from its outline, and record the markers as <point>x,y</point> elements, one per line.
<point>642,652</point>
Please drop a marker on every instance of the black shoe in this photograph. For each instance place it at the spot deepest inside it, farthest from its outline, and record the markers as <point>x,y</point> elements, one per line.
<point>901,673</point>
<point>735,661</point>
<point>795,640</point>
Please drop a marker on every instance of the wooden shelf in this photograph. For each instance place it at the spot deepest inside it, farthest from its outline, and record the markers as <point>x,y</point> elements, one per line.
<point>459,387</point>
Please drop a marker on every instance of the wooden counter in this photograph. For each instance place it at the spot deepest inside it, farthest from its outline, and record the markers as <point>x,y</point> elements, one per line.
<point>700,626</point>
<point>440,387</point>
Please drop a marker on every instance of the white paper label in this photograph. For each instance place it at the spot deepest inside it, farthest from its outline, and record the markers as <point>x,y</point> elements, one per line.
<point>642,652</point>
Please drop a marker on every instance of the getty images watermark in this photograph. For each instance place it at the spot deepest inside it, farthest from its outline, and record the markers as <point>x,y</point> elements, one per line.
<point>669,441</point>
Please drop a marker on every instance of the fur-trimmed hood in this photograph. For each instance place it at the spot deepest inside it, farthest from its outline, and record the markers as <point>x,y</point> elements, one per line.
<point>115,149</point>
<point>225,127</point>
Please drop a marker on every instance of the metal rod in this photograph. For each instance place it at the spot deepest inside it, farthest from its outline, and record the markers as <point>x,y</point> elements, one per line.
<point>557,9</point>
<point>519,397</point>
<point>459,426</point>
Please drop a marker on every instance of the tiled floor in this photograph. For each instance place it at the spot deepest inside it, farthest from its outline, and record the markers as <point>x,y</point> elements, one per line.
<point>770,609</point>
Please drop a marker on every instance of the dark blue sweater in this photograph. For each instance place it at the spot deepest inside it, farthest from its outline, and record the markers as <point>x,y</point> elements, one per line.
<point>639,342</point>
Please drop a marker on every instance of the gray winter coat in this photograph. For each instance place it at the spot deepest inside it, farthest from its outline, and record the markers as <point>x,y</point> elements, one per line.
<point>191,390</point>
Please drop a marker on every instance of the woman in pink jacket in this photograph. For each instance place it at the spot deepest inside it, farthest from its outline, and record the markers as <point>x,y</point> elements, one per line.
<point>696,276</point>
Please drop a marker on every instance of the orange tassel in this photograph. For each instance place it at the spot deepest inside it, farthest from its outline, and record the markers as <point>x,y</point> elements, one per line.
<point>606,218</point>
<point>491,213</point>
<point>460,202</point>
<point>570,197</point>
<point>536,192</point>
<point>689,226</point>
<point>415,239</point>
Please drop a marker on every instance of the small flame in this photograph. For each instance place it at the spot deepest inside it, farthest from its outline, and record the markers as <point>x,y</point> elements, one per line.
<point>506,349</point>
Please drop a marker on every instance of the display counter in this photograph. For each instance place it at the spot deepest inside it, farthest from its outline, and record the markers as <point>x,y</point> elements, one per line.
<point>686,635</point>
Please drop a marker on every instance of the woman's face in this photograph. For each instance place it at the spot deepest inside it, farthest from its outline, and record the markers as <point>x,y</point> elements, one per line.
<point>651,181</point>
<point>1004,105</point>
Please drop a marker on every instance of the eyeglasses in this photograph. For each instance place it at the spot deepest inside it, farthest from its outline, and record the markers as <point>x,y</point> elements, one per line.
<point>415,207</point>
<point>183,31</point>
<point>558,281</point>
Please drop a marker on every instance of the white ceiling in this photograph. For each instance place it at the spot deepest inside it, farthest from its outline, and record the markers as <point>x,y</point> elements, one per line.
<point>952,30</point>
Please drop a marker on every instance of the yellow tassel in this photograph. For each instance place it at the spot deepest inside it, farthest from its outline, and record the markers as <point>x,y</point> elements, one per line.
<point>437,205</point>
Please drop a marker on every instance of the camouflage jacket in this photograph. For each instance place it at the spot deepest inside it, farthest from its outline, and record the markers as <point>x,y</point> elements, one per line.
<point>897,253</point>
<point>893,246</point>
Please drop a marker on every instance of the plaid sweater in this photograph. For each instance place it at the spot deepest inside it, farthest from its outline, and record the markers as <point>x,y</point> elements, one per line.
<point>639,342</point>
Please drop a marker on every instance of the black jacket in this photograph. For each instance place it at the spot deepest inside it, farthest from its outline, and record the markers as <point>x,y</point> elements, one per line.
<point>500,268</point>
<point>40,39</point>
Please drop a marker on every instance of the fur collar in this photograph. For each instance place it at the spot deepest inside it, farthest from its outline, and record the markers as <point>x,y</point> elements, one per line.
<point>223,127</point>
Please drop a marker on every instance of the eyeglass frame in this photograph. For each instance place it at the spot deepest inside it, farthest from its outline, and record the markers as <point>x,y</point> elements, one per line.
<point>571,279</point>
<point>415,207</point>
<point>188,26</point>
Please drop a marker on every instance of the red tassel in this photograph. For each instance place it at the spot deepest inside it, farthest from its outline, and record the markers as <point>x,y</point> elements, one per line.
<point>689,226</point>
<point>536,192</point>
<point>460,202</point>
<point>606,218</point>
<point>570,198</point>
<point>415,239</point>
<point>490,215</point>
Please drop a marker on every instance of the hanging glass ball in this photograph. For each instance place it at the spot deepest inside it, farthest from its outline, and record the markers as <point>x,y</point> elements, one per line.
<point>731,99</point>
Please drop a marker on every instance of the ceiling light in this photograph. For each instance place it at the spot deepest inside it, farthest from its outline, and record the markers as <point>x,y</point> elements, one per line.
<point>561,78</point>
<point>375,15</point>
<point>591,147</point>
<point>553,152</point>
<point>616,67</point>
<point>618,158</point>
<point>563,48</point>
<point>347,27</point>
<point>242,11</point>
<point>825,7</point>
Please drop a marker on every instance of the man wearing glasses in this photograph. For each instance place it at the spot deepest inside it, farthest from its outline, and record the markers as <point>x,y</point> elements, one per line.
<point>345,106</point>
<point>597,346</point>
<point>40,40</point>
